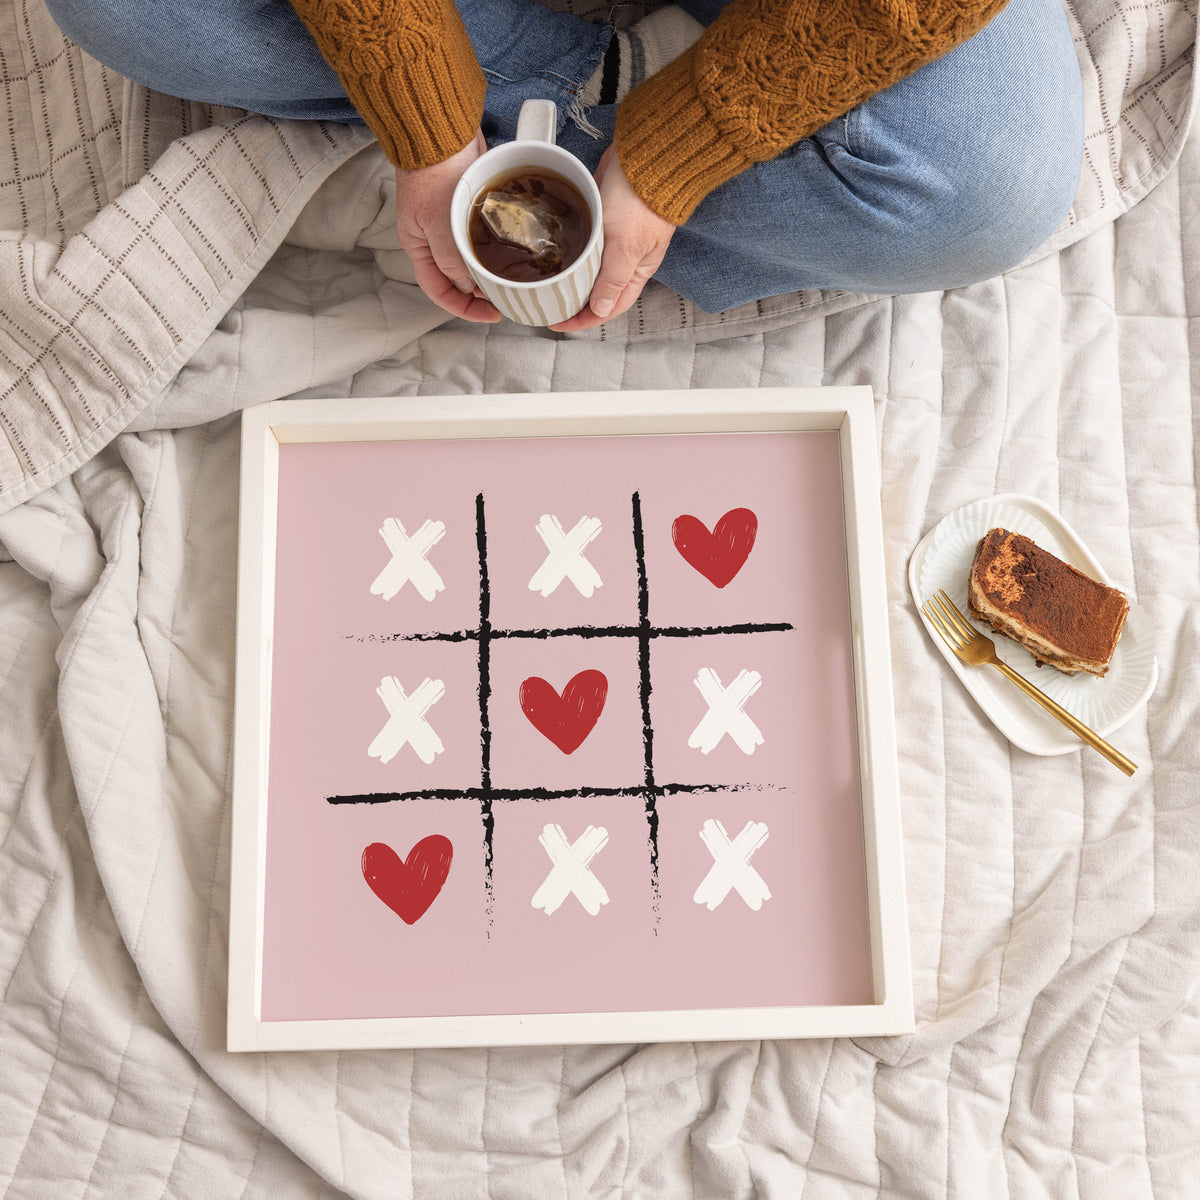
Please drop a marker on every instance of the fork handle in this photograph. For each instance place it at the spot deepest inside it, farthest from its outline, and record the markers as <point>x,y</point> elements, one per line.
<point>1074,724</point>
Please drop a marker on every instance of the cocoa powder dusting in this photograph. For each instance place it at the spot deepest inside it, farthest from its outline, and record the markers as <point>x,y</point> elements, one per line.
<point>1068,608</point>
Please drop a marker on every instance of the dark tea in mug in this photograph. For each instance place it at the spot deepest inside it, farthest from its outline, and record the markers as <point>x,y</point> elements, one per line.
<point>529,226</point>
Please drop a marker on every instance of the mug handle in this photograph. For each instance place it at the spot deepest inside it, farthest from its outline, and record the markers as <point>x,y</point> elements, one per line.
<point>537,121</point>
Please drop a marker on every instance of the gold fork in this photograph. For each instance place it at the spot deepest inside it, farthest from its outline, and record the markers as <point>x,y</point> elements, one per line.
<point>977,650</point>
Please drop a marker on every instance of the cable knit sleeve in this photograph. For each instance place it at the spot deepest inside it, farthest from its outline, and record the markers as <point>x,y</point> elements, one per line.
<point>408,67</point>
<point>767,73</point>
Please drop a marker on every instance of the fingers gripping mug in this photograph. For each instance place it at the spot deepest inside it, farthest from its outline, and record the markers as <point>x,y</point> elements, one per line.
<point>545,200</point>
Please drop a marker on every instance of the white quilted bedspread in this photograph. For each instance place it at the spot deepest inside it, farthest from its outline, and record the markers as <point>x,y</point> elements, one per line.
<point>167,265</point>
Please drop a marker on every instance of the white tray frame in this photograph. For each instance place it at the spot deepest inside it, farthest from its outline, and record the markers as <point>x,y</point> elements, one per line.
<point>848,411</point>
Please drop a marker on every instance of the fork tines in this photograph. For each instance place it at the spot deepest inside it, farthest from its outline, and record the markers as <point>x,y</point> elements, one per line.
<point>947,620</point>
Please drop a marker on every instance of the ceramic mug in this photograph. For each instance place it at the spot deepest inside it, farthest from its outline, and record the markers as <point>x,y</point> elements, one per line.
<point>556,297</point>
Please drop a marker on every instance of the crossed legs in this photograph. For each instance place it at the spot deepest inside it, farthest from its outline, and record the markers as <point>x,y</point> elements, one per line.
<point>951,176</point>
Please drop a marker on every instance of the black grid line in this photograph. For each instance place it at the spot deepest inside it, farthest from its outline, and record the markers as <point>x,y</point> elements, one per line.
<point>486,811</point>
<point>584,631</point>
<point>650,798</point>
<point>487,794</point>
<point>534,793</point>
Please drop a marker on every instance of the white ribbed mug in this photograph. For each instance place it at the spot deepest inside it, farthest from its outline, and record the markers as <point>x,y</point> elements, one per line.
<point>557,297</point>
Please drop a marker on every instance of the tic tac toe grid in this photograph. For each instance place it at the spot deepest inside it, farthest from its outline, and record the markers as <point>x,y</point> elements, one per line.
<point>317,961</point>
<point>484,634</point>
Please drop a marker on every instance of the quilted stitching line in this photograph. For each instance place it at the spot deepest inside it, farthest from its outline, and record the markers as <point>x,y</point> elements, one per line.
<point>77,812</point>
<point>751,1190</point>
<point>1087,1057</point>
<point>558,1104</point>
<point>179,1137</point>
<point>948,1169</point>
<point>62,833</point>
<point>338,1117</point>
<point>1151,1161</point>
<point>168,725</point>
<point>943,684</point>
<point>62,1002</point>
<point>1083,841</point>
<point>408,1138</point>
<point>136,945</point>
<point>876,1069</point>
<point>258,1149</point>
<point>47,725</point>
<point>1187,308</point>
<point>483,1109</point>
<point>691,1144</point>
<point>816,1129</point>
<point>625,1191</point>
<point>84,619</point>
<point>118,1083</point>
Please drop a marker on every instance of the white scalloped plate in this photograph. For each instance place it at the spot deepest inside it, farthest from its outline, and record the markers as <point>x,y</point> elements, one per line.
<point>942,559</point>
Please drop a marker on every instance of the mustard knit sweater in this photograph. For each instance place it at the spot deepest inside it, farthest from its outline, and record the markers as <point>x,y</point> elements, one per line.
<point>764,75</point>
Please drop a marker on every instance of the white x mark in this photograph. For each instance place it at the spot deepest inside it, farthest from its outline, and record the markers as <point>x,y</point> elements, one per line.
<point>571,872</point>
<point>406,723</point>
<point>565,558</point>
<point>724,715</point>
<point>408,560</point>
<point>731,865</point>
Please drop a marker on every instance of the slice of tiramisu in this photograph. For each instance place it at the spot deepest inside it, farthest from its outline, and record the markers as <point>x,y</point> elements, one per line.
<point>1060,615</point>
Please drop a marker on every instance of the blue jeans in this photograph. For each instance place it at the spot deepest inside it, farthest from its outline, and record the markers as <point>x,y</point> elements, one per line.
<point>950,176</point>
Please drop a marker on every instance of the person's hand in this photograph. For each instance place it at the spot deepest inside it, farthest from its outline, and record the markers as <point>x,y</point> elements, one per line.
<point>635,240</point>
<point>423,227</point>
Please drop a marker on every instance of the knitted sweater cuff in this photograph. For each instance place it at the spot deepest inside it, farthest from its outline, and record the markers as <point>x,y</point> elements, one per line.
<point>766,74</point>
<point>671,150</point>
<point>407,67</point>
<point>422,113</point>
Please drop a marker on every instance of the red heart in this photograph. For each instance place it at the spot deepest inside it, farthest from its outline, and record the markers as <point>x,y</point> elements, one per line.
<point>718,555</point>
<point>408,886</point>
<point>567,719</point>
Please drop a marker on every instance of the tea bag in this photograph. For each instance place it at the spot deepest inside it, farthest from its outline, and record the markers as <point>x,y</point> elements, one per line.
<point>525,220</point>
